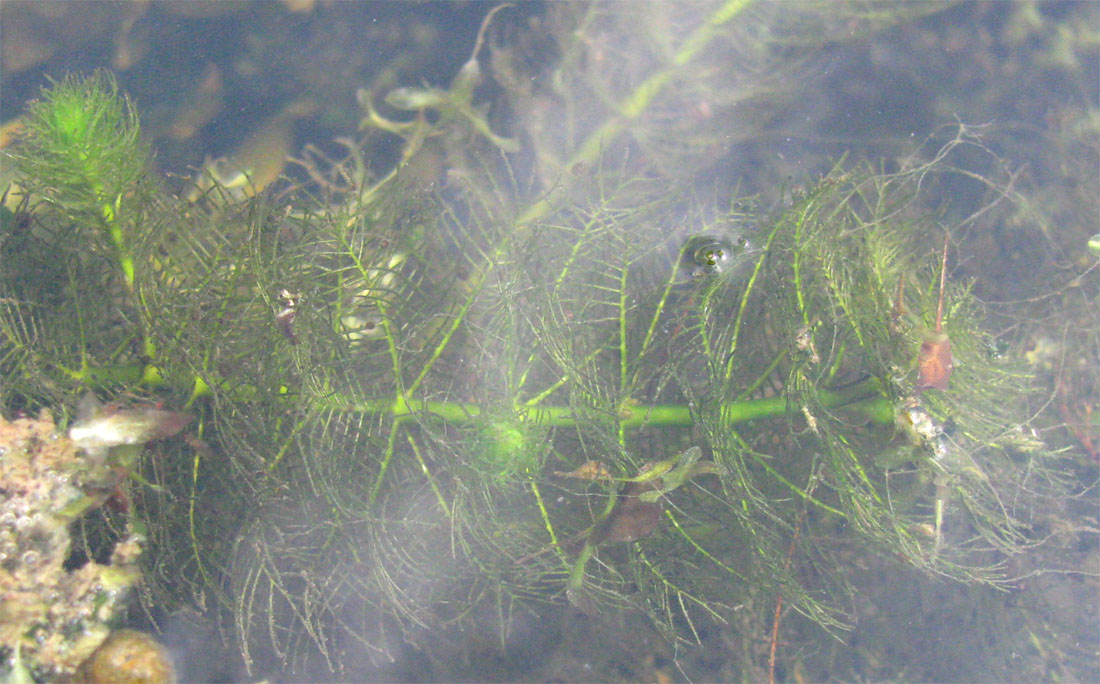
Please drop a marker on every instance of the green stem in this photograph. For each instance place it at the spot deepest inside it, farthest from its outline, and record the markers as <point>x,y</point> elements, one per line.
<point>636,104</point>
<point>863,397</point>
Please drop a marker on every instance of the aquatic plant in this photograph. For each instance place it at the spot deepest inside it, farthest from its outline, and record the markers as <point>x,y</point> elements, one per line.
<point>560,372</point>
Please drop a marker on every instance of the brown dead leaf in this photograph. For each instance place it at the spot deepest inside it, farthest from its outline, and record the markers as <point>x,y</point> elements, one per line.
<point>589,470</point>
<point>934,362</point>
<point>632,519</point>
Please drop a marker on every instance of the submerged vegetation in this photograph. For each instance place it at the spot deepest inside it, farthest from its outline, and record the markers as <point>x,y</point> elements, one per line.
<point>534,363</point>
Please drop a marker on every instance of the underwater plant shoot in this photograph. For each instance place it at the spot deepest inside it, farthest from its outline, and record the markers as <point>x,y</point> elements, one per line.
<point>536,348</point>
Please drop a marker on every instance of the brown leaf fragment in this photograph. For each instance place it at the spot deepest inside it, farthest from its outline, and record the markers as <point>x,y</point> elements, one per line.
<point>632,518</point>
<point>589,470</point>
<point>127,426</point>
<point>934,362</point>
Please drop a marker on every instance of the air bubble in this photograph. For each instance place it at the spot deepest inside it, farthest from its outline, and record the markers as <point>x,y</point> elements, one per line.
<point>705,256</point>
<point>711,255</point>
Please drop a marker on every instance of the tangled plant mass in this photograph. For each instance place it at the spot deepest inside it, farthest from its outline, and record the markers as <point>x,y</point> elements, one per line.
<point>560,375</point>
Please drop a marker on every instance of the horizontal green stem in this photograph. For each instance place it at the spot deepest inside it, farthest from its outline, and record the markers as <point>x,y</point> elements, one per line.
<point>862,397</point>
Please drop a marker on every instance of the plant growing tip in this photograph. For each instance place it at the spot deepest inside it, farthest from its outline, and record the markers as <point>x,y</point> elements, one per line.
<point>82,150</point>
<point>84,137</point>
